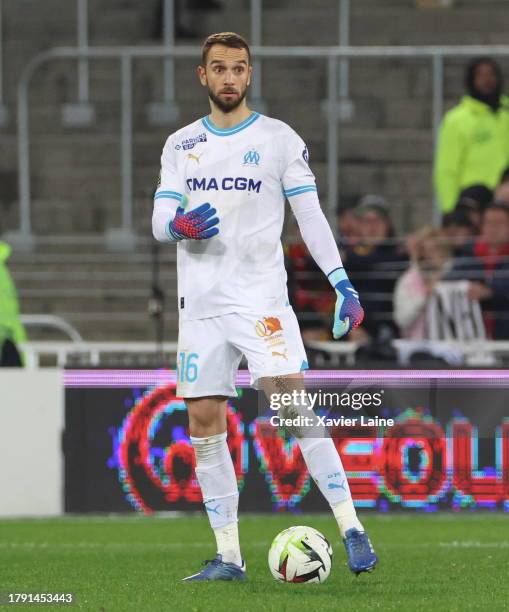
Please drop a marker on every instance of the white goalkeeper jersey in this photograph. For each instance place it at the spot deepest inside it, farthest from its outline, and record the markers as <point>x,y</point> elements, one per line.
<point>246,173</point>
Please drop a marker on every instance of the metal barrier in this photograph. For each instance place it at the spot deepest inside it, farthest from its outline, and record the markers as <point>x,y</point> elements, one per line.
<point>62,354</point>
<point>167,111</point>
<point>54,322</point>
<point>4,115</point>
<point>472,354</point>
<point>256,11</point>
<point>97,354</point>
<point>80,113</point>
<point>124,236</point>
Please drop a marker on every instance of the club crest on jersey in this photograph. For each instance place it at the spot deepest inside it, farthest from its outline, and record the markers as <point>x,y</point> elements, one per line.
<point>189,143</point>
<point>252,158</point>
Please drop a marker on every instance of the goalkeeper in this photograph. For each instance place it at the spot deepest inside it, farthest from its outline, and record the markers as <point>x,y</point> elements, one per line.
<point>221,195</point>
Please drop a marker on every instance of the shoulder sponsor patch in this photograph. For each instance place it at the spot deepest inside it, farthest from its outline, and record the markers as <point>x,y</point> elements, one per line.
<point>189,143</point>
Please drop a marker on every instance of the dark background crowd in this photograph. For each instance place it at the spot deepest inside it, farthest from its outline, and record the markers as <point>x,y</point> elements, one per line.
<point>396,276</point>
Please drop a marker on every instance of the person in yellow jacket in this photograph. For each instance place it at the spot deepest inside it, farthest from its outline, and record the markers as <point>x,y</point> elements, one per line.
<point>12,331</point>
<point>473,145</point>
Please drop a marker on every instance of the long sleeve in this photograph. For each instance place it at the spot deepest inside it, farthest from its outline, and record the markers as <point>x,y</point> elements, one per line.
<point>299,187</point>
<point>316,232</point>
<point>168,196</point>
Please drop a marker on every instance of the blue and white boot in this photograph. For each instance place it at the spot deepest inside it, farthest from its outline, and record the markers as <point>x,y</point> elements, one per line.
<point>361,556</point>
<point>217,569</point>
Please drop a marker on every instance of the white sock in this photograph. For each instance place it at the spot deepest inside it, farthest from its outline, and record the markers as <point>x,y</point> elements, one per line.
<point>345,515</point>
<point>326,469</point>
<point>218,483</point>
<point>227,540</point>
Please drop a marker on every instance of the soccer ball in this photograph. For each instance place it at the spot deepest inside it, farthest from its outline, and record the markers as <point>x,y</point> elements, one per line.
<point>300,554</point>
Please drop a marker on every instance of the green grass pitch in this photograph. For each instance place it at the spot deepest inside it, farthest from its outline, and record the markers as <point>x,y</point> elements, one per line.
<point>440,562</point>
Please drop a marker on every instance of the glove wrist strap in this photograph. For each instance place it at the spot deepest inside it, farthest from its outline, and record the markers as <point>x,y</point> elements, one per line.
<point>172,234</point>
<point>336,276</point>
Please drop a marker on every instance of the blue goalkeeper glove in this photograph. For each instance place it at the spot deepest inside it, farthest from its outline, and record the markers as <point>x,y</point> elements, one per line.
<point>348,312</point>
<point>197,224</point>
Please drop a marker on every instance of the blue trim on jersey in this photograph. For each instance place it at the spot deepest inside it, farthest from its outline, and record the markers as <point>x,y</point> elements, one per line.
<point>298,190</point>
<point>230,131</point>
<point>172,195</point>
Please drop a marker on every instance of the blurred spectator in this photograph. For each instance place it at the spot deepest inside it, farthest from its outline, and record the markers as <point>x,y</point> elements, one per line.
<point>430,259</point>
<point>11,329</point>
<point>487,269</point>
<point>459,230</point>
<point>475,199</point>
<point>502,191</point>
<point>473,147</point>
<point>348,224</point>
<point>373,264</point>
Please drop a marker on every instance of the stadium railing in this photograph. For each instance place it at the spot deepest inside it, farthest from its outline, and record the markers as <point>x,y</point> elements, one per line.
<point>4,115</point>
<point>54,322</point>
<point>98,354</point>
<point>125,237</point>
<point>329,354</point>
<point>488,353</point>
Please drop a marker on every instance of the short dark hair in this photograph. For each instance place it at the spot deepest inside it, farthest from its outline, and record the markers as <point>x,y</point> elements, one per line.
<point>228,39</point>
<point>458,217</point>
<point>480,194</point>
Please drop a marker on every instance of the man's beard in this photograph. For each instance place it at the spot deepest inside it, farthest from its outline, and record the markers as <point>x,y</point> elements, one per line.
<point>227,105</point>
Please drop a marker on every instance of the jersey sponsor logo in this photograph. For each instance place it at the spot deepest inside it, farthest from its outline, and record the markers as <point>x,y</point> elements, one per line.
<point>228,183</point>
<point>189,143</point>
<point>252,158</point>
<point>305,155</point>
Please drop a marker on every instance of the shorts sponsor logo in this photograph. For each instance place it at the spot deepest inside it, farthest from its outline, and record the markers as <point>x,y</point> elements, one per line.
<point>271,330</point>
<point>284,354</point>
<point>268,326</point>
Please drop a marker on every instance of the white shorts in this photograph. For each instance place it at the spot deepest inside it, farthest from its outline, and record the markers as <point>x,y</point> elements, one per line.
<point>210,351</point>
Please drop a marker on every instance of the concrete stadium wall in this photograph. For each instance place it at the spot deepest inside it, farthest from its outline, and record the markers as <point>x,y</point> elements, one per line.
<point>31,425</point>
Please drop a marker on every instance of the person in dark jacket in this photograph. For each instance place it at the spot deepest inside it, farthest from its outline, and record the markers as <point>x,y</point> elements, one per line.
<point>459,230</point>
<point>486,266</point>
<point>375,263</point>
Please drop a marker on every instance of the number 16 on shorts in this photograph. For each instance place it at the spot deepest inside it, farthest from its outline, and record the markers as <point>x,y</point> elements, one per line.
<point>187,367</point>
